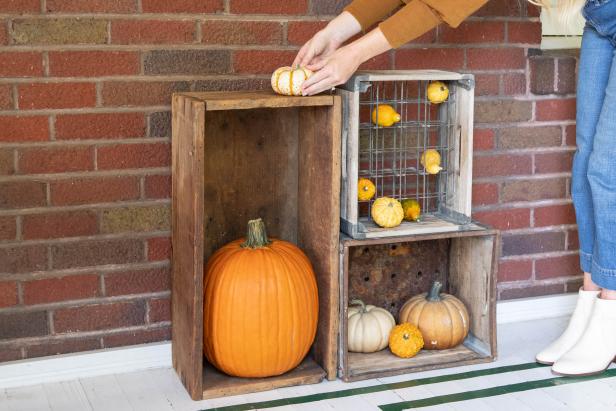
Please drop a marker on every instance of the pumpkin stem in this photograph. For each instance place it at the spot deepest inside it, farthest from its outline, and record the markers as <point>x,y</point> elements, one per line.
<point>435,291</point>
<point>360,303</point>
<point>256,237</point>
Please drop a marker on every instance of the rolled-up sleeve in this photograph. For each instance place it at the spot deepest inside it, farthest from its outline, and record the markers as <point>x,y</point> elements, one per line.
<point>414,19</point>
<point>370,12</point>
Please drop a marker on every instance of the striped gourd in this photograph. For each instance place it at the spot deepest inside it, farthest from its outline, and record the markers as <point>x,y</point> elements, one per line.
<point>288,80</point>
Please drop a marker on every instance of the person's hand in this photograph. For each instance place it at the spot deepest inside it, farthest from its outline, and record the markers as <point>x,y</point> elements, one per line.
<point>332,70</point>
<point>321,45</point>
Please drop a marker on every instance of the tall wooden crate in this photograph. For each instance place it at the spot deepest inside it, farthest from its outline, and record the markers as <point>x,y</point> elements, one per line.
<point>390,156</point>
<point>239,156</point>
<point>386,272</point>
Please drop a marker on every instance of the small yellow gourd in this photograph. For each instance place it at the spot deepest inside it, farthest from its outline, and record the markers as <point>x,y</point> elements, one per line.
<point>387,212</point>
<point>385,115</point>
<point>437,92</point>
<point>365,189</point>
<point>412,210</point>
<point>431,160</point>
<point>405,340</point>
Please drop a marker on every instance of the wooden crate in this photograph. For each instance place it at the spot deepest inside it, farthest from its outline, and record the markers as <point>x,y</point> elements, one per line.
<point>387,272</point>
<point>239,156</point>
<point>390,156</point>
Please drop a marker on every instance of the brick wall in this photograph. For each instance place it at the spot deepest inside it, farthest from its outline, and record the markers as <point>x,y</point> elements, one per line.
<point>85,88</point>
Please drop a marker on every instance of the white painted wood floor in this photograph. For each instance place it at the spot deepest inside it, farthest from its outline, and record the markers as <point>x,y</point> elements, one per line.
<point>160,389</point>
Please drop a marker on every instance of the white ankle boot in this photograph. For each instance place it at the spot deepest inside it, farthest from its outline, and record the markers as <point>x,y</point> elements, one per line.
<point>596,349</point>
<point>577,325</point>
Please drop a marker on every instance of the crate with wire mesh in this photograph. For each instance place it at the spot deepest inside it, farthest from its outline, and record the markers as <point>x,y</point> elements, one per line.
<point>407,153</point>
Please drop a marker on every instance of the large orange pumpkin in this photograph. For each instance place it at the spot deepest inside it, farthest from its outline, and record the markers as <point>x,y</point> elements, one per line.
<point>260,306</point>
<point>442,318</point>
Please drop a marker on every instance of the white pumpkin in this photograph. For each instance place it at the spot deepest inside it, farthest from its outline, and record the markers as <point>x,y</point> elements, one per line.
<point>288,80</point>
<point>369,327</point>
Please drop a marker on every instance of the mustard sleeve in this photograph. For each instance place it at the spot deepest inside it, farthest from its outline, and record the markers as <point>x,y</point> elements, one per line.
<point>420,16</point>
<point>369,12</point>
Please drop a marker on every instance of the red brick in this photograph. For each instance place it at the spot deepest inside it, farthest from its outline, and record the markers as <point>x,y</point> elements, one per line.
<point>23,128</point>
<point>62,346</point>
<point>501,165</point>
<point>159,249</point>
<point>515,270</point>
<point>91,6</point>
<point>10,354</point>
<point>99,317</point>
<point>93,63</point>
<point>241,32</point>
<point>6,97</point>
<point>59,225</point>
<point>533,243</point>
<point>483,139</point>
<point>134,156</point>
<point>573,240</point>
<point>496,58</point>
<point>528,32</point>
<point>484,194</point>
<point>566,265</point>
<point>152,32</point>
<point>160,310</point>
<point>138,282</point>
<point>487,84</point>
<point>7,166</point>
<point>554,215</point>
<point>299,32</point>
<point>555,110</point>
<point>542,71</point>
<point>22,194</point>
<point>554,162</point>
<point>508,219</point>
<point>182,6</point>
<point>100,126</point>
<point>433,58</point>
<point>21,64</point>
<point>158,186</point>
<point>380,62</point>
<point>23,324</point>
<point>137,337</point>
<point>8,228</point>
<point>55,160</point>
<point>514,84</point>
<point>141,93</point>
<point>56,95</point>
<point>96,252</point>
<point>8,293</point>
<point>94,190</point>
<point>534,290</point>
<point>533,189</point>
<point>4,37</point>
<point>23,259</point>
<point>49,290</point>
<point>20,6</point>
<point>503,8</point>
<point>475,32</point>
<point>570,135</point>
<point>261,61</point>
<point>269,7</point>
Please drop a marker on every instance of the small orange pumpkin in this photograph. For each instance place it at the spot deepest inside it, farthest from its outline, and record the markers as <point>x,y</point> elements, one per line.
<point>442,318</point>
<point>260,306</point>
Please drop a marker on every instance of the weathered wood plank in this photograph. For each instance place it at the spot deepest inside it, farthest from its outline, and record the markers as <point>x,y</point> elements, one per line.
<point>239,100</point>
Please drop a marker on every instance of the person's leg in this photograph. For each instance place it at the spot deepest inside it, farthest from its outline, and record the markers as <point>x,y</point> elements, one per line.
<point>593,72</point>
<point>596,349</point>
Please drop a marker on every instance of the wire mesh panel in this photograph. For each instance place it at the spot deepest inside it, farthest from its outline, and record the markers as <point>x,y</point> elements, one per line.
<point>390,155</point>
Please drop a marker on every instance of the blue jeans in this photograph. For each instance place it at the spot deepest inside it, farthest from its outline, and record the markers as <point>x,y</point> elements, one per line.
<point>593,185</point>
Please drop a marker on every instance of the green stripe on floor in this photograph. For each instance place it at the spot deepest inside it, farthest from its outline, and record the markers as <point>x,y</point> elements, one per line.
<point>377,388</point>
<point>491,392</point>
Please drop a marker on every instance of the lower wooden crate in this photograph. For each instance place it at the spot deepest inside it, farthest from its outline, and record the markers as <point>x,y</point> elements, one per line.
<point>388,271</point>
